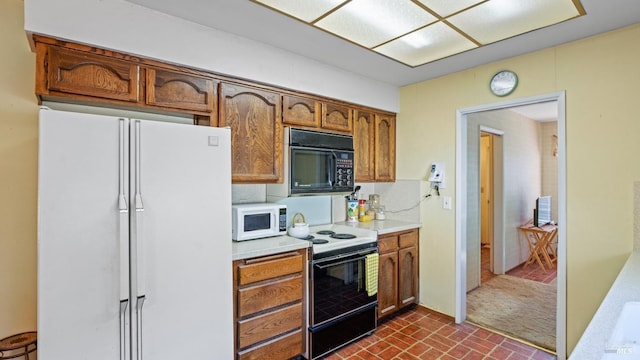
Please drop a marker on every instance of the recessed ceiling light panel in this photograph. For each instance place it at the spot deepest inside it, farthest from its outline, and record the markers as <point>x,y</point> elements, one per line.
<point>429,44</point>
<point>373,22</point>
<point>445,8</point>
<point>305,10</point>
<point>497,20</point>
<point>416,32</point>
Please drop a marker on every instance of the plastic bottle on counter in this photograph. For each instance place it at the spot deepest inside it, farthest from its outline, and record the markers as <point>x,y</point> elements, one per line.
<point>362,210</point>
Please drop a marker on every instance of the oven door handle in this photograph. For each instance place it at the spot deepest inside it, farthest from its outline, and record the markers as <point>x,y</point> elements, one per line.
<point>319,266</point>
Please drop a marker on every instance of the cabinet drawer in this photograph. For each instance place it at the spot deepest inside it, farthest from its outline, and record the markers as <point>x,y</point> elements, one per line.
<point>284,347</point>
<point>272,324</point>
<point>257,298</point>
<point>79,73</point>
<point>387,244</point>
<point>269,268</point>
<point>180,91</point>
<point>408,239</point>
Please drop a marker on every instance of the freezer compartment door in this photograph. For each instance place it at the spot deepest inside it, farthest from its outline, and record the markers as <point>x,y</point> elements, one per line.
<point>181,244</point>
<point>82,224</point>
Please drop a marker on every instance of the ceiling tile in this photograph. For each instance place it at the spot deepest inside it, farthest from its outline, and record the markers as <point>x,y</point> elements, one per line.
<point>445,8</point>
<point>431,43</point>
<point>370,23</point>
<point>509,18</point>
<point>305,10</point>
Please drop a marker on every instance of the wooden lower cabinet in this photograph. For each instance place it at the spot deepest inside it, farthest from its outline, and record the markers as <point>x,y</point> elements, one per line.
<point>269,311</point>
<point>397,271</point>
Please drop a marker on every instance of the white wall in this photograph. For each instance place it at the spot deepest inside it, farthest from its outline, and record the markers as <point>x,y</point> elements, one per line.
<point>130,28</point>
<point>522,184</point>
<point>549,164</point>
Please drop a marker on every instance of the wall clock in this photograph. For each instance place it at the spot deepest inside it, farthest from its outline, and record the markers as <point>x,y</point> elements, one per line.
<point>503,83</point>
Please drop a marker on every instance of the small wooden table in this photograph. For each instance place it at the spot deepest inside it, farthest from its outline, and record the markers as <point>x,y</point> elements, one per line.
<point>540,240</point>
<point>18,345</point>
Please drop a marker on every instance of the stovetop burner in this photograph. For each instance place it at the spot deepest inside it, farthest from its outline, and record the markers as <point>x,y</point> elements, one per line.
<point>343,236</point>
<point>314,240</point>
<point>325,232</point>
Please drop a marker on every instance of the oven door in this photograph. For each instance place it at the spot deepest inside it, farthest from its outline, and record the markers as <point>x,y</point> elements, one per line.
<point>339,287</point>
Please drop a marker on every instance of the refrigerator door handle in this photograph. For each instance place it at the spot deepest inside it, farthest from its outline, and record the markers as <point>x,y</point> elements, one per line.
<point>124,215</point>
<point>124,334</point>
<point>138,196</point>
<point>139,305</point>
<point>122,200</point>
<point>139,212</point>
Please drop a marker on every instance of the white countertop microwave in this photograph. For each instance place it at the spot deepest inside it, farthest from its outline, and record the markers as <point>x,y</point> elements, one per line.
<point>258,220</point>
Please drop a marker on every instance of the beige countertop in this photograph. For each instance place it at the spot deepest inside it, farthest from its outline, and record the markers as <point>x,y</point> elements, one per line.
<point>625,288</point>
<point>383,226</point>
<point>278,244</point>
<point>266,246</point>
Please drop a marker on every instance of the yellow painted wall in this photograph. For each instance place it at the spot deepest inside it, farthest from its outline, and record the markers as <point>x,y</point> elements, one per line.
<point>18,174</point>
<point>600,76</point>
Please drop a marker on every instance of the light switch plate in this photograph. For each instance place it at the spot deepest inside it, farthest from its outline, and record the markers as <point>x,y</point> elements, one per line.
<point>446,202</point>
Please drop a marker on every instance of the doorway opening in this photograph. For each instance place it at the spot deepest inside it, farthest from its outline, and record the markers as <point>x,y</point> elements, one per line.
<point>464,216</point>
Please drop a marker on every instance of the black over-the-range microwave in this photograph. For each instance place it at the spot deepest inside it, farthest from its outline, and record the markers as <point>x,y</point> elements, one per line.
<point>316,163</point>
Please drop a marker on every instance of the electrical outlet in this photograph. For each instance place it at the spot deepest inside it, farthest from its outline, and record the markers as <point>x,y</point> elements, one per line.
<point>446,202</point>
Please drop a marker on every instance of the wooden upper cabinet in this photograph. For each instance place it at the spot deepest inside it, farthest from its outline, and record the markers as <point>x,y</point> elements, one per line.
<point>363,143</point>
<point>64,71</point>
<point>256,132</point>
<point>180,91</point>
<point>337,117</point>
<point>301,111</point>
<point>385,147</point>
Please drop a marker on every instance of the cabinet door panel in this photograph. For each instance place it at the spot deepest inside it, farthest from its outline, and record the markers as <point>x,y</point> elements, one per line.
<point>385,142</point>
<point>256,133</point>
<point>87,74</point>
<point>408,276</point>
<point>387,283</point>
<point>337,117</point>
<point>301,111</point>
<point>363,141</point>
<point>180,91</point>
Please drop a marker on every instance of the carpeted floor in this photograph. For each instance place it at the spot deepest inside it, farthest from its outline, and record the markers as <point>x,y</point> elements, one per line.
<point>522,308</point>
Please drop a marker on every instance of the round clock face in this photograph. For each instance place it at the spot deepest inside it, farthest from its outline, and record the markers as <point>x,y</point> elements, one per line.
<point>503,83</point>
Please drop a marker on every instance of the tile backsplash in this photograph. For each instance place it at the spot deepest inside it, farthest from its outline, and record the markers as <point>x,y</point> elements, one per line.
<point>400,199</point>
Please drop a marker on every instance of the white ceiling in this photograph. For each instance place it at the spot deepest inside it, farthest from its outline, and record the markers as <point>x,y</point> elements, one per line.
<point>253,21</point>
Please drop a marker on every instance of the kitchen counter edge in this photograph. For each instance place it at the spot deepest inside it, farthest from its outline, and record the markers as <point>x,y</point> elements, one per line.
<point>267,246</point>
<point>625,288</point>
<point>382,227</point>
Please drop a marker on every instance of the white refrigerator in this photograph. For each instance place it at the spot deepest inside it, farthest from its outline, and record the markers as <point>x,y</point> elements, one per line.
<point>134,239</point>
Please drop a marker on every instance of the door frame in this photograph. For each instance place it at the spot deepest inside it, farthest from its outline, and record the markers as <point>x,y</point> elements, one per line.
<point>461,206</point>
<point>497,197</point>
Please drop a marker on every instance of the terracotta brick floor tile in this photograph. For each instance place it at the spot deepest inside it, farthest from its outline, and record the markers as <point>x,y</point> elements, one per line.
<point>409,329</point>
<point>501,353</point>
<point>541,355</point>
<point>419,334</point>
<point>366,355</point>
<point>418,348</point>
<point>459,351</point>
<point>431,354</point>
<point>390,353</point>
<point>517,356</point>
<point>474,355</point>
<point>378,347</point>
